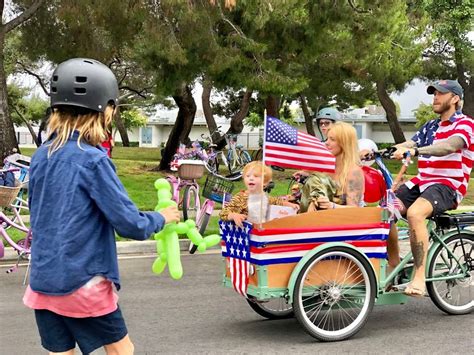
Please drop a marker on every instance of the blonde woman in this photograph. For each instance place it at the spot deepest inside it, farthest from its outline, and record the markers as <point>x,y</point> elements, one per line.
<point>76,204</point>
<point>348,178</point>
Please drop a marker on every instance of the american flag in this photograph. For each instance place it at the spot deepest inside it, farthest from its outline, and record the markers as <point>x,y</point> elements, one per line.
<point>287,147</point>
<point>237,249</point>
<point>393,205</point>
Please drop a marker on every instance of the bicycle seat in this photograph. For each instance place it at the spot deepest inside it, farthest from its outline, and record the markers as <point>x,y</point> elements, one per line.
<point>446,221</point>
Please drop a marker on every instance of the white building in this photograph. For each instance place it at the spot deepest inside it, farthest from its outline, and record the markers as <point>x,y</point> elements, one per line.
<point>368,122</point>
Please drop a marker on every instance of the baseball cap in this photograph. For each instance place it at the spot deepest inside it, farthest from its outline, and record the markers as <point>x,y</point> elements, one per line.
<point>445,86</point>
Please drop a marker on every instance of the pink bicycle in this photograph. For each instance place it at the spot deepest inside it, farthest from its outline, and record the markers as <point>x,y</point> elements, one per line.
<point>216,189</point>
<point>188,172</point>
<point>8,196</point>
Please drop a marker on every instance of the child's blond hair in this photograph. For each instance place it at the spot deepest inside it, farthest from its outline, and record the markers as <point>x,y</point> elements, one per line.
<point>92,126</point>
<point>257,167</point>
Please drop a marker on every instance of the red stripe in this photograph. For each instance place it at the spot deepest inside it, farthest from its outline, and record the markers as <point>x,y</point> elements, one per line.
<point>274,231</point>
<point>309,246</point>
<point>439,164</point>
<point>298,159</point>
<point>317,152</point>
<point>298,166</point>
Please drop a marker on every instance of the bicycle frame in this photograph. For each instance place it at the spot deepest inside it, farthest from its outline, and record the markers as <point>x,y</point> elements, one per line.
<point>436,239</point>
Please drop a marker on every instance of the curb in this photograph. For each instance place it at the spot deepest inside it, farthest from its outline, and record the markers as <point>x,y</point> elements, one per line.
<point>123,248</point>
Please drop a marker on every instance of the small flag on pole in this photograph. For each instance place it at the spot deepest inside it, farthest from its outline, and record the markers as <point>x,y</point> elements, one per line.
<point>286,147</point>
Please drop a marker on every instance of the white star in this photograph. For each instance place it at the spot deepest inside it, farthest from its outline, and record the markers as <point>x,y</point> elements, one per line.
<point>238,252</point>
<point>244,253</point>
<point>231,249</point>
<point>228,238</point>
<point>240,240</point>
<point>235,239</point>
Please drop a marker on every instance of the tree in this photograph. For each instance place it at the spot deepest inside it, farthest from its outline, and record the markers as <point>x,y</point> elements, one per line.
<point>423,114</point>
<point>22,11</point>
<point>26,110</point>
<point>451,56</point>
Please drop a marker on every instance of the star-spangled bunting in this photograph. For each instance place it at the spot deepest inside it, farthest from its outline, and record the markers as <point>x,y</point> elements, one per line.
<point>287,147</point>
<point>238,250</point>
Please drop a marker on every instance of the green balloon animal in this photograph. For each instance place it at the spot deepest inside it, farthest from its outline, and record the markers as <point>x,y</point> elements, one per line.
<point>167,241</point>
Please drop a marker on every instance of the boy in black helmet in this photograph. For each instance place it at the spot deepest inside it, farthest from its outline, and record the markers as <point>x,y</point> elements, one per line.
<point>72,187</point>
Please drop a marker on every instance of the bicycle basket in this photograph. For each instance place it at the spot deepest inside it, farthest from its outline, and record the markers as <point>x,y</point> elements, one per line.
<point>217,188</point>
<point>190,169</point>
<point>9,194</point>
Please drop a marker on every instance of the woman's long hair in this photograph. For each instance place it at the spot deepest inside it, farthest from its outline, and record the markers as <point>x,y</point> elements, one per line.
<point>346,137</point>
<point>91,125</point>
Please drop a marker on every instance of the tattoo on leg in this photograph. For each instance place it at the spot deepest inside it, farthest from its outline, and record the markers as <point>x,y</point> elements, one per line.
<point>417,249</point>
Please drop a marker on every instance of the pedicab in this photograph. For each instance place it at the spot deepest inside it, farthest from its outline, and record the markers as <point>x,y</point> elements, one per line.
<point>328,268</point>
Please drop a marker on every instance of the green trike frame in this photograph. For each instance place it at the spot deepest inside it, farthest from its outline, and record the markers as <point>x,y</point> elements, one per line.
<point>330,268</point>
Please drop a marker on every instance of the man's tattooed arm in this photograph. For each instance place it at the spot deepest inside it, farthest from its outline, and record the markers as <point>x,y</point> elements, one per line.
<point>451,145</point>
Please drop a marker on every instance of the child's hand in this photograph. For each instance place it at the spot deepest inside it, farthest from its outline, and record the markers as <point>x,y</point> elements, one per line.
<point>170,214</point>
<point>238,218</point>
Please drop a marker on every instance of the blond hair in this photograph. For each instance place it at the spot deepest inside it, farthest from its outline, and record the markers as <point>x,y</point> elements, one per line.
<point>346,137</point>
<point>258,167</point>
<point>91,125</point>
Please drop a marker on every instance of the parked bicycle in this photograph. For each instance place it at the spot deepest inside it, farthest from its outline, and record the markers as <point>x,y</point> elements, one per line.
<point>20,164</point>
<point>186,181</point>
<point>234,160</point>
<point>8,196</point>
<point>216,190</point>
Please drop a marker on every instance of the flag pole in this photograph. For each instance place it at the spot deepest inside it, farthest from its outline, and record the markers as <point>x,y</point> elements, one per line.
<point>263,162</point>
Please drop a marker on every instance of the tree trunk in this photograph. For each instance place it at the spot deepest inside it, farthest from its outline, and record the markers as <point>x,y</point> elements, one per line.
<point>237,121</point>
<point>8,140</point>
<point>122,130</point>
<point>34,136</point>
<point>184,122</point>
<point>272,104</point>
<point>308,120</point>
<point>207,109</point>
<point>467,85</point>
<point>391,112</point>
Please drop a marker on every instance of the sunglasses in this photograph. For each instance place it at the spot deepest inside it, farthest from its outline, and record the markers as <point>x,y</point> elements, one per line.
<point>324,123</point>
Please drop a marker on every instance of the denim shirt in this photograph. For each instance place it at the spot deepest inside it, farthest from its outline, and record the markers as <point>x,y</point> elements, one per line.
<point>76,203</point>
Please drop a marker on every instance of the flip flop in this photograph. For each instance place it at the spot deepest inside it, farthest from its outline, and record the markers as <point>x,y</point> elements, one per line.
<point>414,291</point>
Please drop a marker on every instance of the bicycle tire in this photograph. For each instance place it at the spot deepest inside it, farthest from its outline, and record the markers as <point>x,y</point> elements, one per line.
<point>258,154</point>
<point>350,287</point>
<point>246,158</point>
<point>191,203</point>
<point>441,297</point>
<point>202,226</point>
<point>282,310</point>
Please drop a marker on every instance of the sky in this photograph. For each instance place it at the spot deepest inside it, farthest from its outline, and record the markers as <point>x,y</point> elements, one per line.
<point>411,97</point>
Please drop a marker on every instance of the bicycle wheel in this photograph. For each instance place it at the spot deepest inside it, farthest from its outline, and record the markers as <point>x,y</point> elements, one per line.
<point>455,296</point>
<point>191,203</point>
<point>201,224</point>
<point>245,157</point>
<point>334,294</point>
<point>275,308</point>
<point>258,154</point>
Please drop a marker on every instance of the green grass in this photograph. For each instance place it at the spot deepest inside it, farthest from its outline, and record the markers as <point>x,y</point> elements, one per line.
<point>135,170</point>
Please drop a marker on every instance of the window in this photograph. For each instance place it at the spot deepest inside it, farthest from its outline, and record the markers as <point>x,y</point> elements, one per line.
<point>146,135</point>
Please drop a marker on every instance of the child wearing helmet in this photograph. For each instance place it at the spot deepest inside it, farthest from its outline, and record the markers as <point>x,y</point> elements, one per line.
<point>74,258</point>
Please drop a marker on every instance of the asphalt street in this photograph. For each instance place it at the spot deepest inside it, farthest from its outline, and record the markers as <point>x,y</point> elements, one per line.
<point>196,315</point>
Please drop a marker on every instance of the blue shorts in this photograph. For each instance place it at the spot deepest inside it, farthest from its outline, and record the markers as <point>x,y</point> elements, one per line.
<point>59,333</point>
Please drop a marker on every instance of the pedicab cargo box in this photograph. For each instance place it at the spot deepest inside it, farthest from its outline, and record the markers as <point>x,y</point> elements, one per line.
<point>275,247</point>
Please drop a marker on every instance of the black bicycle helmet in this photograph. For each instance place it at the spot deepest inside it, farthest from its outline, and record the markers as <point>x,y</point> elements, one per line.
<point>84,83</point>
